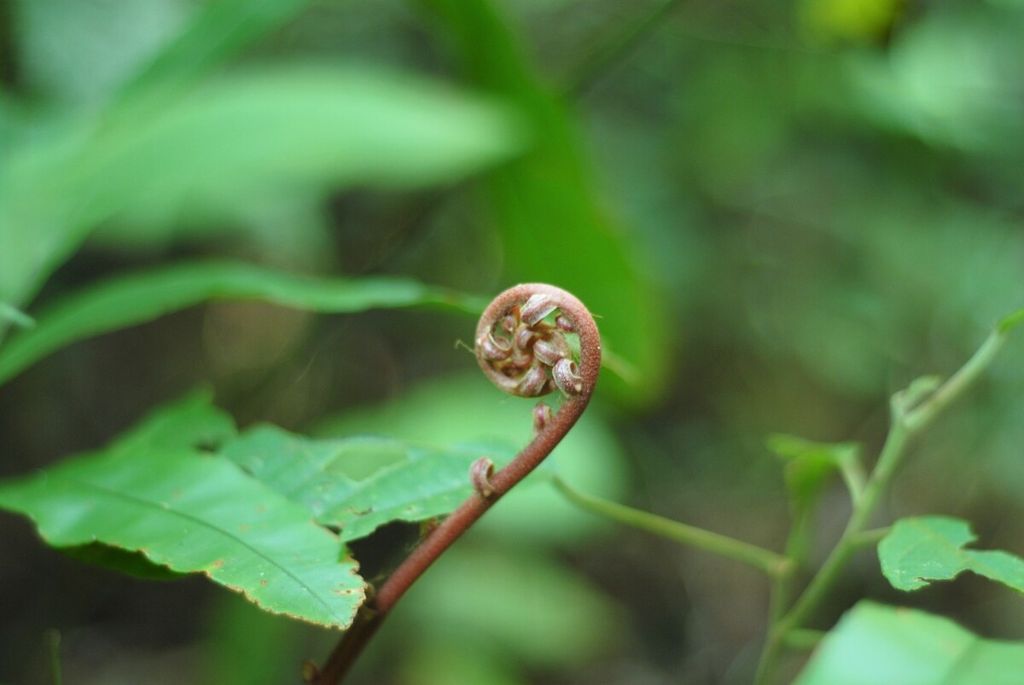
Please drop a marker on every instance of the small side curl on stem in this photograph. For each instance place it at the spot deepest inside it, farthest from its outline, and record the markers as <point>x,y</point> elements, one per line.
<point>480,473</point>
<point>522,348</point>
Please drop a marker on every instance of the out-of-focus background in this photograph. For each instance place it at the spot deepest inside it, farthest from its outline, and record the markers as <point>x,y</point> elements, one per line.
<point>781,213</point>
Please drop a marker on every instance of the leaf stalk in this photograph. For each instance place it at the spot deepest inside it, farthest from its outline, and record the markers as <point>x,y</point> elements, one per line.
<point>773,564</point>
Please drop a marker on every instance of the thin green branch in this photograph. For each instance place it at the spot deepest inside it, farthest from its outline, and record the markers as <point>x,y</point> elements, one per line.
<point>775,565</point>
<point>797,546</point>
<point>869,538</point>
<point>804,639</point>
<point>852,472</point>
<point>919,418</point>
<point>910,418</point>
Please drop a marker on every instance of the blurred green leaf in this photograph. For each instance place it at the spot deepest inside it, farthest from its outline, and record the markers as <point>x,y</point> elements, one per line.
<point>245,646</point>
<point>925,548</point>
<point>75,51</point>
<point>359,484</point>
<point>137,298</point>
<point>855,20</point>
<point>537,611</point>
<point>809,464</point>
<point>1011,322</point>
<point>16,316</point>
<point>876,644</point>
<point>555,227</point>
<point>947,80</point>
<point>808,467</point>
<point>194,513</point>
<point>434,661</point>
<point>469,410</point>
<point>302,126</point>
<point>217,31</point>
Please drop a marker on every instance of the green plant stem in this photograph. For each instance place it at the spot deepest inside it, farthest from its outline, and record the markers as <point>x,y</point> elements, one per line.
<point>796,552</point>
<point>804,639</point>
<point>921,417</point>
<point>870,538</point>
<point>775,565</point>
<point>852,472</point>
<point>781,591</point>
<point>906,425</point>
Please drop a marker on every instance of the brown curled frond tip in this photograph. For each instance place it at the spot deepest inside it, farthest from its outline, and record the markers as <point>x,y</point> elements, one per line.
<point>522,342</point>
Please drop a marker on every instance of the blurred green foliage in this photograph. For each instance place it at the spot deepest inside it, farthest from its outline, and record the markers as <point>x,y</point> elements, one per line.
<point>781,212</point>
<point>894,636</point>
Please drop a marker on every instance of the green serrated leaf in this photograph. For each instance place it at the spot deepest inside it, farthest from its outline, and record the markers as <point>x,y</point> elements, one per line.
<point>137,298</point>
<point>194,513</point>
<point>875,644</point>
<point>359,484</point>
<point>925,548</point>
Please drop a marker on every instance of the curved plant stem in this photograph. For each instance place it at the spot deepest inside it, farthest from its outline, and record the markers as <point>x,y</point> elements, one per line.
<point>908,422</point>
<point>443,536</point>
<point>774,565</point>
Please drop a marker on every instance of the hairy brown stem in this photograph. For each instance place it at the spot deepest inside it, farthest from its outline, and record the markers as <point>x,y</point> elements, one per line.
<point>522,307</point>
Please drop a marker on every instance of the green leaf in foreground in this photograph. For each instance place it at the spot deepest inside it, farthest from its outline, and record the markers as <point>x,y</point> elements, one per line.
<point>194,512</point>
<point>137,298</point>
<point>875,644</point>
<point>926,548</point>
<point>359,484</point>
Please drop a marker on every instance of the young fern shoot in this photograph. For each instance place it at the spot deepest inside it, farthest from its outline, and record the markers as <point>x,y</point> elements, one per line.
<point>521,347</point>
